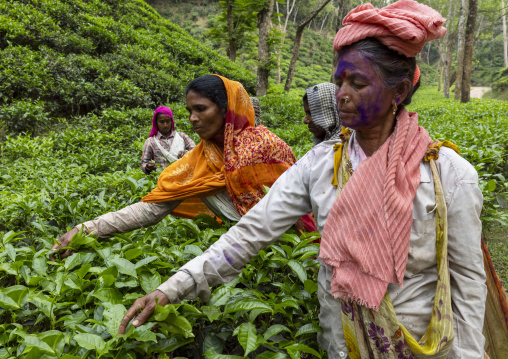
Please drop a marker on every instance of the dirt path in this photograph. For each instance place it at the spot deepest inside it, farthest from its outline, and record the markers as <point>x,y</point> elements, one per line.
<point>478,92</point>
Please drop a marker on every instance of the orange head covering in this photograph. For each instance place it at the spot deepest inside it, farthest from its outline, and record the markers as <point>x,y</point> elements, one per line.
<point>404,26</point>
<point>253,157</point>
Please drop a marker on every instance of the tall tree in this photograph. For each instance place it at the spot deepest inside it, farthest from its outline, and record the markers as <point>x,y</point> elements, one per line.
<point>290,5</point>
<point>238,21</point>
<point>298,39</point>
<point>468,52</point>
<point>264,22</point>
<point>505,38</point>
<point>460,48</point>
<point>447,63</point>
<point>232,39</point>
<point>341,10</point>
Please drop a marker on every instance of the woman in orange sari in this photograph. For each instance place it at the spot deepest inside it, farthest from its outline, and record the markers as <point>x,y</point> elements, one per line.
<point>227,171</point>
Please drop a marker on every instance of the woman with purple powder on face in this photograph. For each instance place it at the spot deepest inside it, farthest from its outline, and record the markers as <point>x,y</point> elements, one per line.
<point>164,145</point>
<point>402,271</point>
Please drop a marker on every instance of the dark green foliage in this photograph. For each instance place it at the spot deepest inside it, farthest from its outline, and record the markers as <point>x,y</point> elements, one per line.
<point>70,176</point>
<point>84,57</point>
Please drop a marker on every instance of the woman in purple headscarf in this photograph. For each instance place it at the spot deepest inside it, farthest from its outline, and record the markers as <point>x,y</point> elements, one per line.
<point>164,145</point>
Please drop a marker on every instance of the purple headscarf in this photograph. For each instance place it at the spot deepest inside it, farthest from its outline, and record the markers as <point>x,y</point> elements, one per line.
<point>165,111</point>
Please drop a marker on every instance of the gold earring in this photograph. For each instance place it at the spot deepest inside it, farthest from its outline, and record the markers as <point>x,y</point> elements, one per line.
<point>395,108</point>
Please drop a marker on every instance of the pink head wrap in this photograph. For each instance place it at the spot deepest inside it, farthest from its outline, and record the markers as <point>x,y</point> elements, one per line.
<point>404,26</point>
<point>165,111</point>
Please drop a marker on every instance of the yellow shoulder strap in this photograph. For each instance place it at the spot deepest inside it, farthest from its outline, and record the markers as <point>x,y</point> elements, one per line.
<point>433,150</point>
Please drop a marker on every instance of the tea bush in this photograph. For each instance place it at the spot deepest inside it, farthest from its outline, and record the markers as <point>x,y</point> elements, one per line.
<point>71,309</point>
<point>82,57</point>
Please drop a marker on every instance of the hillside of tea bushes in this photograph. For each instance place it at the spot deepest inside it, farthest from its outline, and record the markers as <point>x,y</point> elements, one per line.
<point>62,59</point>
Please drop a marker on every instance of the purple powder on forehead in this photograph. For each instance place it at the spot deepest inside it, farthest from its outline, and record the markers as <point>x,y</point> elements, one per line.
<point>342,66</point>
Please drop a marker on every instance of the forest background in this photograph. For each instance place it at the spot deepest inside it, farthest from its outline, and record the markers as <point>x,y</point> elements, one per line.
<point>79,80</point>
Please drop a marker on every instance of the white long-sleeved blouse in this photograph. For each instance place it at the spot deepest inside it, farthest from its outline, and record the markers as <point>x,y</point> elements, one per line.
<point>306,187</point>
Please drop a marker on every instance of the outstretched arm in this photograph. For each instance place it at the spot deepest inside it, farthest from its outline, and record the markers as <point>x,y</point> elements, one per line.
<point>287,200</point>
<point>127,219</point>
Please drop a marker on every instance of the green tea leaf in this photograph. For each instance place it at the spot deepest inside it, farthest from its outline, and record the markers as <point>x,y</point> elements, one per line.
<point>303,348</point>
<point>193,249</point>
<point>220,296</point>
<point>143,335</point>
<point>211,354</point>
<point>271,355</point>
<point>110,295</point>
<point>307,329</point>
<point>124,266</point>
<point>145,261</point>
<point>90,341</point>
<point>247,336</point>
<point>299,269</point>
<point>211,312</point>
<point>113,316</point>
<point>133,253</point>
<point>212,342</point>
<point>491,186</point>
<point>310,286</point>
<point>11,252</point>
<point>40,265</point>
<point>75,260</point>
<point>169,345</point>
<point>14,297</point>
<point>246,304</point>
<point>274,330</point>
<point>149,282</point>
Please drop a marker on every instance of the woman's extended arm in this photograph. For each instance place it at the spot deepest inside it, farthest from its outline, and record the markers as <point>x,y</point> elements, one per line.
<point>137,215</point>
<point>287,200</point>
<point>132,217</point>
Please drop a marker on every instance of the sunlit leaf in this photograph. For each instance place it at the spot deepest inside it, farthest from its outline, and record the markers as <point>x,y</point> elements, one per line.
<point>299,269</point>
<point>90,341</point>
<point>124,266</point>
<point>274,330</point>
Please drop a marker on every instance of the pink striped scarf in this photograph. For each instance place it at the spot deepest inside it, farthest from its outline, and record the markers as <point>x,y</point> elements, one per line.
<point>366,235</point>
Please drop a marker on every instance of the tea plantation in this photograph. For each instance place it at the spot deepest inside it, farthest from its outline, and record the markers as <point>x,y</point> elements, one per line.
<point>79,81</point>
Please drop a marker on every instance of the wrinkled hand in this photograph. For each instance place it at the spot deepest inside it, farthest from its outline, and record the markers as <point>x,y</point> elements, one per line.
<point>151,166</point>
<point>63,242</point>
<point>182,153</point>
<point>147,305</point>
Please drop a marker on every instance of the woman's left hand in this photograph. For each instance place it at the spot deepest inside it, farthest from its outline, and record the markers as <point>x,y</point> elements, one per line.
<point>147,305</point>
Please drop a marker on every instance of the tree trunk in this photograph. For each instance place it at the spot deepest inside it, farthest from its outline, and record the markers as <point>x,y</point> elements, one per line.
<point>289,10</point>
<point>448,66</point>
<point>341,13</point>
<point>505,38</point>
<point>264,21</point>
<point>231,38</point>
<point>298,38</point>
<point>468,51</point>
<point>460,48</point>
<point>324,21</point>
<point>447,63</point>
<point>440,70</point>
<point>429,46</point>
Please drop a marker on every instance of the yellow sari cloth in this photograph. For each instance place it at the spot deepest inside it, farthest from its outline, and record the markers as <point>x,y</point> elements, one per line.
<point>253,157</point>
<point>378,334</point>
